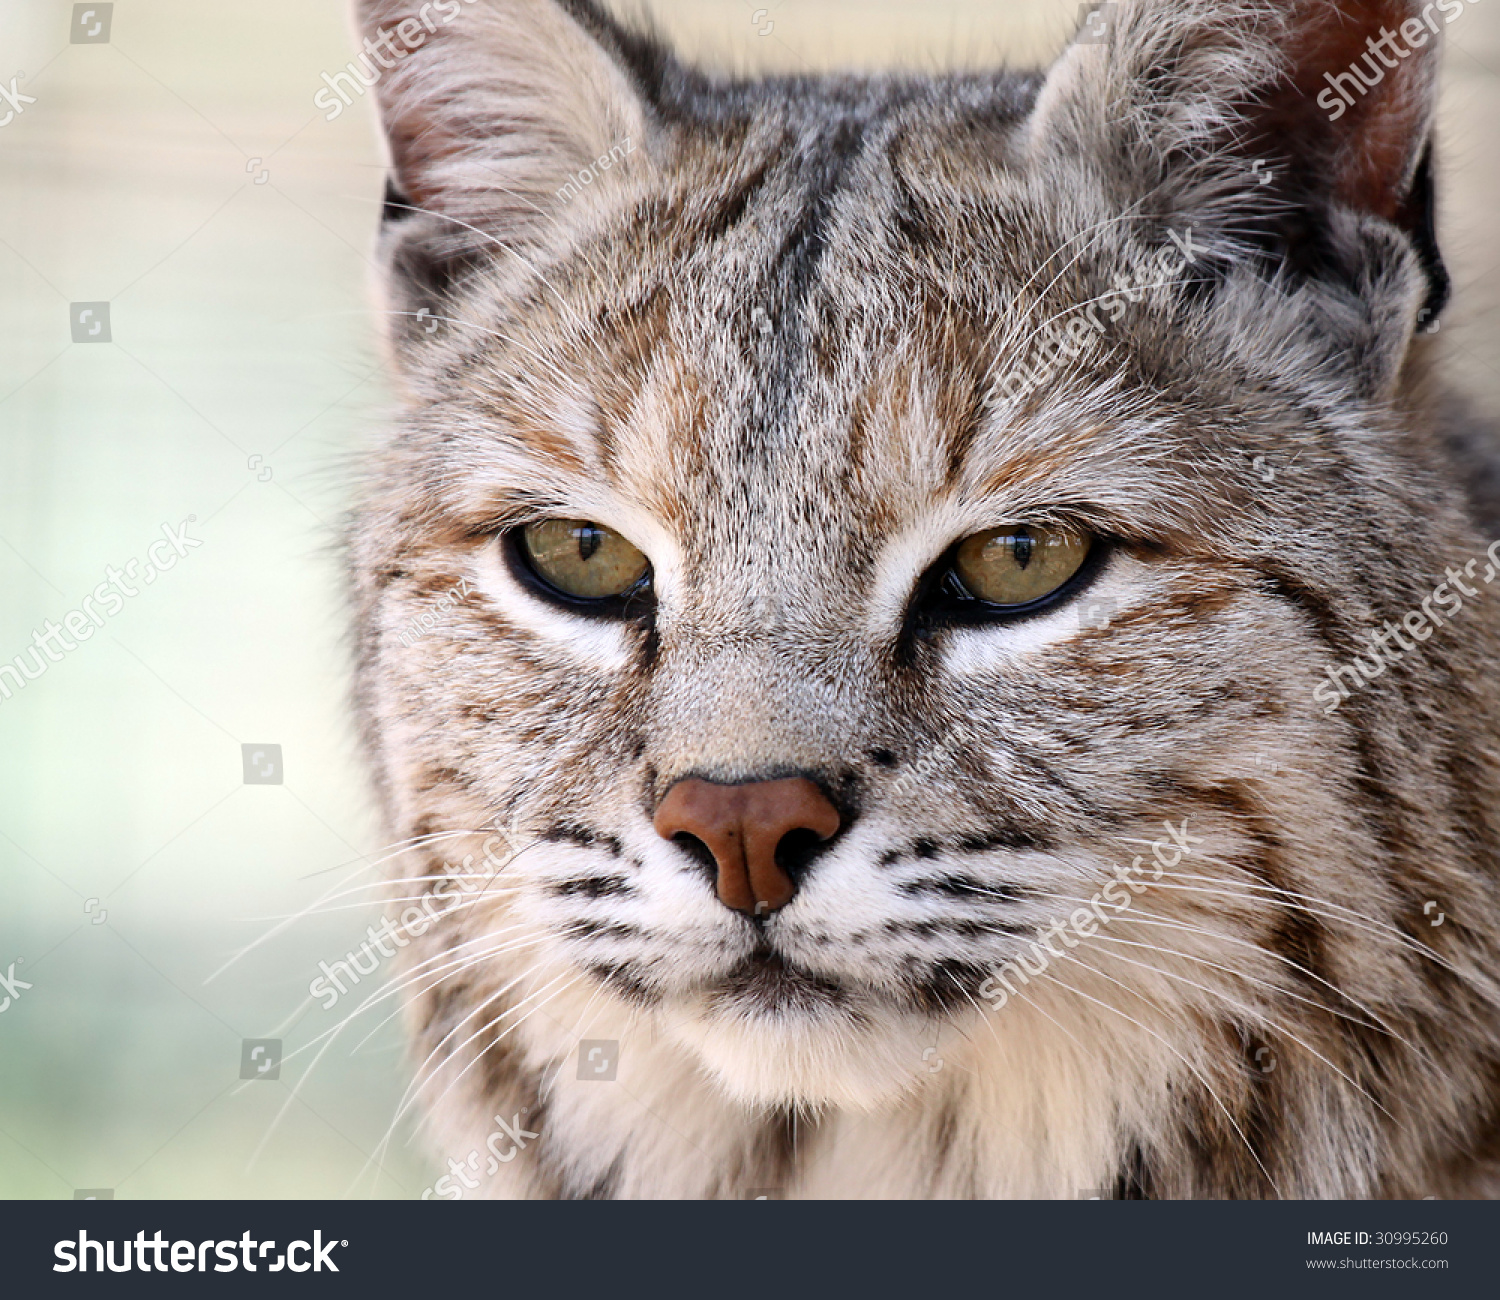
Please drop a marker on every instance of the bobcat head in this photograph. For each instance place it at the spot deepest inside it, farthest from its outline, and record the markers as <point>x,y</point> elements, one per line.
<point>914,536</point>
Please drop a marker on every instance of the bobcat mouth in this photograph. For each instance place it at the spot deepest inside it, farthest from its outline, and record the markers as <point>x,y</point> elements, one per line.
<point>766,982</point>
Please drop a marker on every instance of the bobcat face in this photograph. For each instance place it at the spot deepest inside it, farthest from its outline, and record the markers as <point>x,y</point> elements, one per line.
<point>798,495</point>
<point>861,491</point>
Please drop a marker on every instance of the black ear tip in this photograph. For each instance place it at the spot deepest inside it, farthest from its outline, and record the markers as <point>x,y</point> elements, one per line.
<point>397,205</point>
<point>1440,292</point>
<point>1419,218</point>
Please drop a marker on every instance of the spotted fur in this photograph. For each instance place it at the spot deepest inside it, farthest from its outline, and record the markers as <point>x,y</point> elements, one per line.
<point>763,343</point>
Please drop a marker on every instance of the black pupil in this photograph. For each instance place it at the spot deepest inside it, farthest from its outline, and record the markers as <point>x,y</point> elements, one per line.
<point>1021,547</point>
<point>590,539</point>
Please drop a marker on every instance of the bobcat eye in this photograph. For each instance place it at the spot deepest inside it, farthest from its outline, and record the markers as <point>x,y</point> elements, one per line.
<point>581,559</point>
<point>1018,566</point>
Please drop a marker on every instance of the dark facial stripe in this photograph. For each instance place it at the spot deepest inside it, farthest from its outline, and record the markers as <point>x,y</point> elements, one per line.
<point>584,837</point>
<point>624,979</point>
<point>583,929</point>
<point>1298,935</point>
<point>946,986</point>
<point>821,170</point>
<point>964,929</point>
<point>964,888</point>
<point>592,887</point>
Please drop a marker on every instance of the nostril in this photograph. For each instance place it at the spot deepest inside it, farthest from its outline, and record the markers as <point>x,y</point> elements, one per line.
<point>796,851</point>
<point>698,851</point>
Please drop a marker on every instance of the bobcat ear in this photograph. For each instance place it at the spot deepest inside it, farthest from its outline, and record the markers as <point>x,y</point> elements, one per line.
<point>1281,126</point>
<point>494,107</point>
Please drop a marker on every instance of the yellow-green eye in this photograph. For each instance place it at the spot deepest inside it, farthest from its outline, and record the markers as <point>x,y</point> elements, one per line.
<point>1016,566</point>
<point>582,559</point>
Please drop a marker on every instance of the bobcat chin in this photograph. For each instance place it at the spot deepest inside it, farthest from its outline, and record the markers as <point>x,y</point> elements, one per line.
<point>975,672</point>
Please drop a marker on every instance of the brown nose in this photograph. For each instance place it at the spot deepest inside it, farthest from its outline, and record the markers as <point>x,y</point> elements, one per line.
<point>743,826</point>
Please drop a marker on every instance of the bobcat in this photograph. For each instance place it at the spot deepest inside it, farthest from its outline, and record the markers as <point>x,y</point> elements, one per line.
<point>976,670</point>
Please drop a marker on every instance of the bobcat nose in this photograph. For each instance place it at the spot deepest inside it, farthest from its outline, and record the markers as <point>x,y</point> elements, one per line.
<point>743,827</point>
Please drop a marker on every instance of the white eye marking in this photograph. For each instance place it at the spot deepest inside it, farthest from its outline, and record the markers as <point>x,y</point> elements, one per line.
<point>984,648</point>
<point>905,559</point>
<point>604,643</point>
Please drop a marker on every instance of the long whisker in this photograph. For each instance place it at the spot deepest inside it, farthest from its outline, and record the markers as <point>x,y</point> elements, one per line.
<point>1323,907</point>
<point>573,979</point>
<point>284,925</point>
<point>391,989</point>
<point>452,970</point>
<point>1373,1023</point>
<point>1155,919</point>
<point>414,1089</point>
<point>1271,1025</point>
<point>459,904</point>
<point>390,851</point>
<point>541,361</point>
<point>1017,323</point>
<point>421,1079</point>
<point>1355,920</point>
<point>1217,1101</point>
<point>1041,1011</point>
<point>1103,224</point>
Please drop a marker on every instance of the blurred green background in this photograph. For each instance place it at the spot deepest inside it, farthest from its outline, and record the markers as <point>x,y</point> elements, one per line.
<point>179,172</point>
